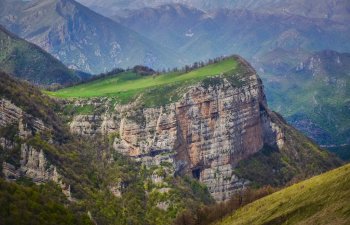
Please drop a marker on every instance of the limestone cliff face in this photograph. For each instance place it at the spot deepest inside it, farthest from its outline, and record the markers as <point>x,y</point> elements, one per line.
<point>206,133</point>
<point>32,162</point>
<point>27,124</point>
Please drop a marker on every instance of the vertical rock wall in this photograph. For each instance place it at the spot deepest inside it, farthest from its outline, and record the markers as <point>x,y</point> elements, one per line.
<point>205,134</point>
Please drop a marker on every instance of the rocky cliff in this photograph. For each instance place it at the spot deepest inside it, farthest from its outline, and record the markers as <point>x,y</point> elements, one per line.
<point>37,152</point>
<point>20,158</point>
<point>214,126</point>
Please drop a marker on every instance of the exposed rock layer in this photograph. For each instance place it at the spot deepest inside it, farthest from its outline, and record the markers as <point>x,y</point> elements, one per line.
<point>32,163</point>
<point>205,134</point>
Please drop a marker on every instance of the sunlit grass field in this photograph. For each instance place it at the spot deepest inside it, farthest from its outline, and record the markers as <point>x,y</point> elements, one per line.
<point>128,84</point>
<point>324,199</point>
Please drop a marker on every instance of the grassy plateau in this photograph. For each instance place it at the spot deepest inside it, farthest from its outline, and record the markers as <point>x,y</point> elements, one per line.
<point>324,199</point>
<point>128,85</point>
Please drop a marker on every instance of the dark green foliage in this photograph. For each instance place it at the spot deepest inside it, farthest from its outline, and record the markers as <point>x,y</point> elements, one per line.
<point>266,167</point>
<point>27,203</point>
<point>208,214</point>
<point>10,133</point>
<point>212,81</point>
<point>200,190</point>
<point>71,110</point>
<point>162,95</point>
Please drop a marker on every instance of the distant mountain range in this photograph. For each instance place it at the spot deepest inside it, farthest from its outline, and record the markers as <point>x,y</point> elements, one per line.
<point>335,10</point>
<point>200,35</point>
<point>29,62</point>
<point>81,38</point>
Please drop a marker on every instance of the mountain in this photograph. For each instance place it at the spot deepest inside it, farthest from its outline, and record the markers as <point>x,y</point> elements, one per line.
<point>50,176</point>
<point>139,147</point>
<point>286,39</point>
<point>168,24</point>
<point>320,83</point>
<point>209,121</point>
<point>200,35</point>
<point>321,200</point>
<point>79,37</point>
<point>29,62</point>
<point>334,10</point>
<point>275,43</point>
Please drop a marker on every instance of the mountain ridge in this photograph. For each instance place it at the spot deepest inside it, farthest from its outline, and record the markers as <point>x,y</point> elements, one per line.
<point>337,11</point>
<point>81,38</point>
<point>217,129</point>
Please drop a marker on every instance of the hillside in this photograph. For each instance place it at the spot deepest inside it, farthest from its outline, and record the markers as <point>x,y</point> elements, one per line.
<point>323,199</point>
<point>58,178</point>
<point>27,203</point>
<point>211,122</point>
<point>27,61</point>
<point>81,38</point>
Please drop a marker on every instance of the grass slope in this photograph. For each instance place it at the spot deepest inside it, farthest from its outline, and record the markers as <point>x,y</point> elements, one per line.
<point>128,85</point>
<point>323,199</point>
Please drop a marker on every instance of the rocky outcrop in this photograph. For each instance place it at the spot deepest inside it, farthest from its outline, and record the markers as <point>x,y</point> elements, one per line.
<point>27,125</point>
<point>34,165</point>
<point>216,124</point>
<point>32,162</point>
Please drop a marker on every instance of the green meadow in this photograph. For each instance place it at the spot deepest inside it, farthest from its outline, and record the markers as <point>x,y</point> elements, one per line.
<point>128,85</point>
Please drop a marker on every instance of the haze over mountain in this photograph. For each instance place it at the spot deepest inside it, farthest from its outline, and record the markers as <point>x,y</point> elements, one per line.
<point>201,35</point>
<point>79,37</point>
<point>337,10</point>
